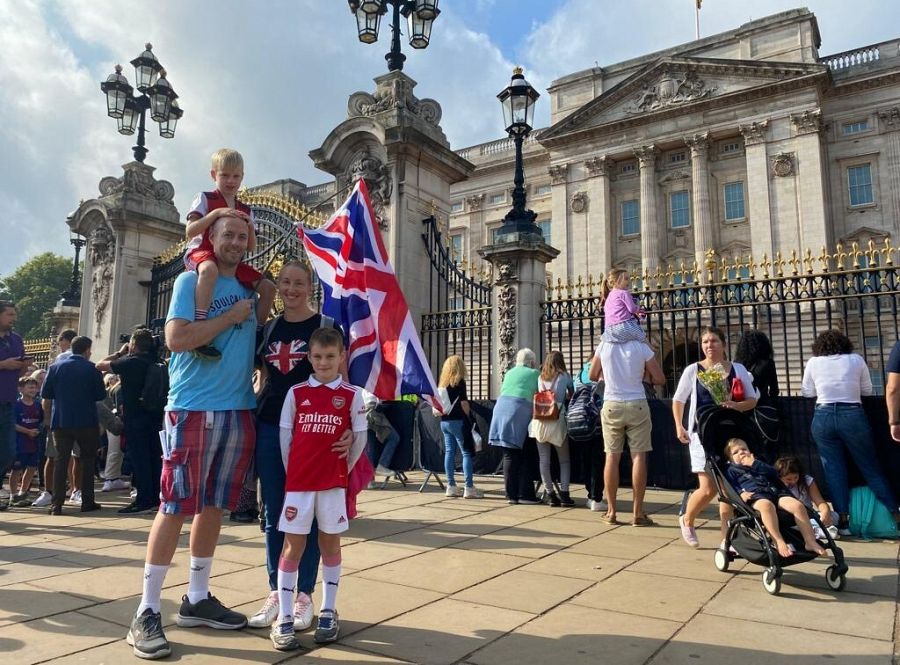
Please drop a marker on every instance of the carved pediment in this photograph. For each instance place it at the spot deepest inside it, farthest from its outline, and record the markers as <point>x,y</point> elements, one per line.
<point>863,234</point>
<point>671,85</point>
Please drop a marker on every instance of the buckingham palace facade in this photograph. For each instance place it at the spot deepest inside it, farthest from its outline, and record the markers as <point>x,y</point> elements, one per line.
<point>746,142</point>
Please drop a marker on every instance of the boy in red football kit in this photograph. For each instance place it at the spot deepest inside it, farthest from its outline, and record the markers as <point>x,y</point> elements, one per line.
<point>227,172</point>
<point>315,414</point>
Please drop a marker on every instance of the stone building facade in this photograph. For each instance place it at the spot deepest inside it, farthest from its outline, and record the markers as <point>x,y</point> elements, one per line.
<point>747,142</point>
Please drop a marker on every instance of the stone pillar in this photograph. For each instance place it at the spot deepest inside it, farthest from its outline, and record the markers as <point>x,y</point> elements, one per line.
<point>758,200</point>
<point>559,213</point>
<point>650,226</point>
<point>520,269</point>
<point>394,140</point>
<point>133,221</point>
<point>890,122</point>
<point>601,226</point>
<point>815,231</point>
<point>703,219</point>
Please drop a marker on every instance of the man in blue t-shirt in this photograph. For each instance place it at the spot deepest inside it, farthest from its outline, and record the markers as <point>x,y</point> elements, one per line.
<point>13,364</point>
<point>208,443</point>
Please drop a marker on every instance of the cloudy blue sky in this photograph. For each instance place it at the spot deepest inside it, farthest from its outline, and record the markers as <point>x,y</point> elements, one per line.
<point>272,79</point>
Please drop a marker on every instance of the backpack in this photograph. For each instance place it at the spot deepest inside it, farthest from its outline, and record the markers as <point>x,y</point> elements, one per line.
<point>155,393</point>
<point>583,415</point>
<point>869,518</point>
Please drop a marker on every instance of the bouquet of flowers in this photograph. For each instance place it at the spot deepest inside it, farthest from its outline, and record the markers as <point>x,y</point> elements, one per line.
<point>713,379</point>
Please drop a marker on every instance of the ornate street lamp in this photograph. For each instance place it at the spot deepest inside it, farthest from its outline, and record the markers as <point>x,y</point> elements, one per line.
<point>518,100</point>
<point>72,296</point>
<point>157,96</point>
<point>420,15</point>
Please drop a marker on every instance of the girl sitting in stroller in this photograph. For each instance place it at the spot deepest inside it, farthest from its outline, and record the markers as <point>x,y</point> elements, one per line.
<point>761,488</point>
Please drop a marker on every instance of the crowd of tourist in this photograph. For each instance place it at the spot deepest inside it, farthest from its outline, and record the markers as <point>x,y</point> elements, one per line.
<point>193,435</point>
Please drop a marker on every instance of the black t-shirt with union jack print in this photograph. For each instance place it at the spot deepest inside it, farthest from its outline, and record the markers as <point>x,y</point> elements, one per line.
<point>285,357</point>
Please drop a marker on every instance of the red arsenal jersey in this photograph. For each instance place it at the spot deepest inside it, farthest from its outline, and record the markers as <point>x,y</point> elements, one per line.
<point>318,414</point>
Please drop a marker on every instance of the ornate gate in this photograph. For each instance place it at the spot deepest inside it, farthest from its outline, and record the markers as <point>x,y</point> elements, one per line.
<point>459,320</point>
<point>276,242</point>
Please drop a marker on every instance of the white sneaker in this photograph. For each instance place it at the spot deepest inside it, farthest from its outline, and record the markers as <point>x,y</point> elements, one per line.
<point>473,493</point>
<point>107,486</point>
<point>43,500</point>
<point>118,484</point>
<point>75,498</point>
<point>597,506</point>
<point>453,491</point>
<point>267,613</point>
<point>382,471</point>
<point>133,494</point>
<point>303,612</point>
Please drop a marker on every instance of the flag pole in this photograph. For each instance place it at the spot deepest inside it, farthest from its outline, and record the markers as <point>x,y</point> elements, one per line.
<point>697,17</point>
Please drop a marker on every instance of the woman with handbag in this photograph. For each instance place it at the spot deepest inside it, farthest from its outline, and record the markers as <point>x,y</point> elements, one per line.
<point>509,426</point>
<point>550,431</point>
<point>454,425</point>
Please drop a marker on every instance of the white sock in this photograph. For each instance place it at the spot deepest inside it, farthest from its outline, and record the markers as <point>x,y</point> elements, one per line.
<point>154,576</point>
<point>198,585</point>
<point>287,582</point>
<point>330,577</point>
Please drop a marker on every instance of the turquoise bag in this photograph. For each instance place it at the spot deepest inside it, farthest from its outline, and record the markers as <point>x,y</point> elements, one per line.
<point>869,518</point>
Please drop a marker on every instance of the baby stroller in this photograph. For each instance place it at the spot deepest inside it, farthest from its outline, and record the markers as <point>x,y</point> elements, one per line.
<point>746,534</point>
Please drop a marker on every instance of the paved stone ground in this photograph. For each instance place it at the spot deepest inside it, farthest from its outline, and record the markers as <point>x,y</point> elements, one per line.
<point>434,580</point>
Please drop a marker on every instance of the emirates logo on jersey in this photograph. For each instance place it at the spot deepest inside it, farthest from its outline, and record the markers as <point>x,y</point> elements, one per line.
<point>285,356</point>
<point>290,513</point>
<point>338,402</point>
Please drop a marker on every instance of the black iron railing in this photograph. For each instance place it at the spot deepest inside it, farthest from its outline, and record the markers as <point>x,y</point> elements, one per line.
<point>466,333</point>
<point>792,310</point>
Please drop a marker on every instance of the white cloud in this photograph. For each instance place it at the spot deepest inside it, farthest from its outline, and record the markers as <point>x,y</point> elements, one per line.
<point>272,79</point>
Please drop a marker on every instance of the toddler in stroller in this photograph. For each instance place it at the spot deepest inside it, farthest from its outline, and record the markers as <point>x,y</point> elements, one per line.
<point>748,532</point>
<point>760,487</point>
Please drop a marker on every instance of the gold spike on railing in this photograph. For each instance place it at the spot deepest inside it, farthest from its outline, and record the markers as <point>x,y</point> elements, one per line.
<point>824,260</point>
<point>888,253</point>
<point>765,264</point>
<point>840,256</point>
<point>590,285</point>
<point>808,261</point>
<point>579,287</point>
<point>559,288</point>
<point>570,287</point>
<point>778,264</point>
<point>855,253</point>
<point>794,263</point>
<point>872,253</point>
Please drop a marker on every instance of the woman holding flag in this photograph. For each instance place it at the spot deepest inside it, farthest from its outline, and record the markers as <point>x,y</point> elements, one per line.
<point>282,348</point>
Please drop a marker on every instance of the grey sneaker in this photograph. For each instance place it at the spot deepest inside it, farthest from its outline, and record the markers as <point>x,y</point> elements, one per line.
<point>282,636</point>
<point>328,628</point>
<point>209,612</point>
<point>146,636</point>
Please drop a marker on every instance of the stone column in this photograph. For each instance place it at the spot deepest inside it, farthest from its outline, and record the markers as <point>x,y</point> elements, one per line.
<point>133,221</point>
<point>520,282</point>
<point>813,224</point>
<point>650,226</point>
<point>758,200</point>
<point>559,211</point>
<point>890,122</point>
<point>394,141</point>
<point>703,218</point>
<point>601,228</point>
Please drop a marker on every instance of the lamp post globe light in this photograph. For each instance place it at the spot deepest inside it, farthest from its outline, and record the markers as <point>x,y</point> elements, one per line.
<point>420,15</point>
<point>518,100</point>
<point>157,96</point>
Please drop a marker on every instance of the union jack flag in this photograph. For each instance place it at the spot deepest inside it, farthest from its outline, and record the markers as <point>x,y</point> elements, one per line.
<point>284,356</point>
<point>361,293</point>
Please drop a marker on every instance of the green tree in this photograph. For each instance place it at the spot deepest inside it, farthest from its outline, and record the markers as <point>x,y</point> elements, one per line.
<point>35,287</point>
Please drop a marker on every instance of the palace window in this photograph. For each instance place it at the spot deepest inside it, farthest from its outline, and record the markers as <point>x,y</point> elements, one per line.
<point>678,157</point>
<point>850,128</point>
<point>631,218</point>
<point>629,167</point>
<point>494,231</point>
<point>544,226</point>
<point>734,201</point>
<point>859,181</point>
<point>496,199</point>
<point>542,190</point>
<point>456,246</point>
<point>680,209</point>
<point>456,206</point>
<point>455,302</point>
<point>730,148</point>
